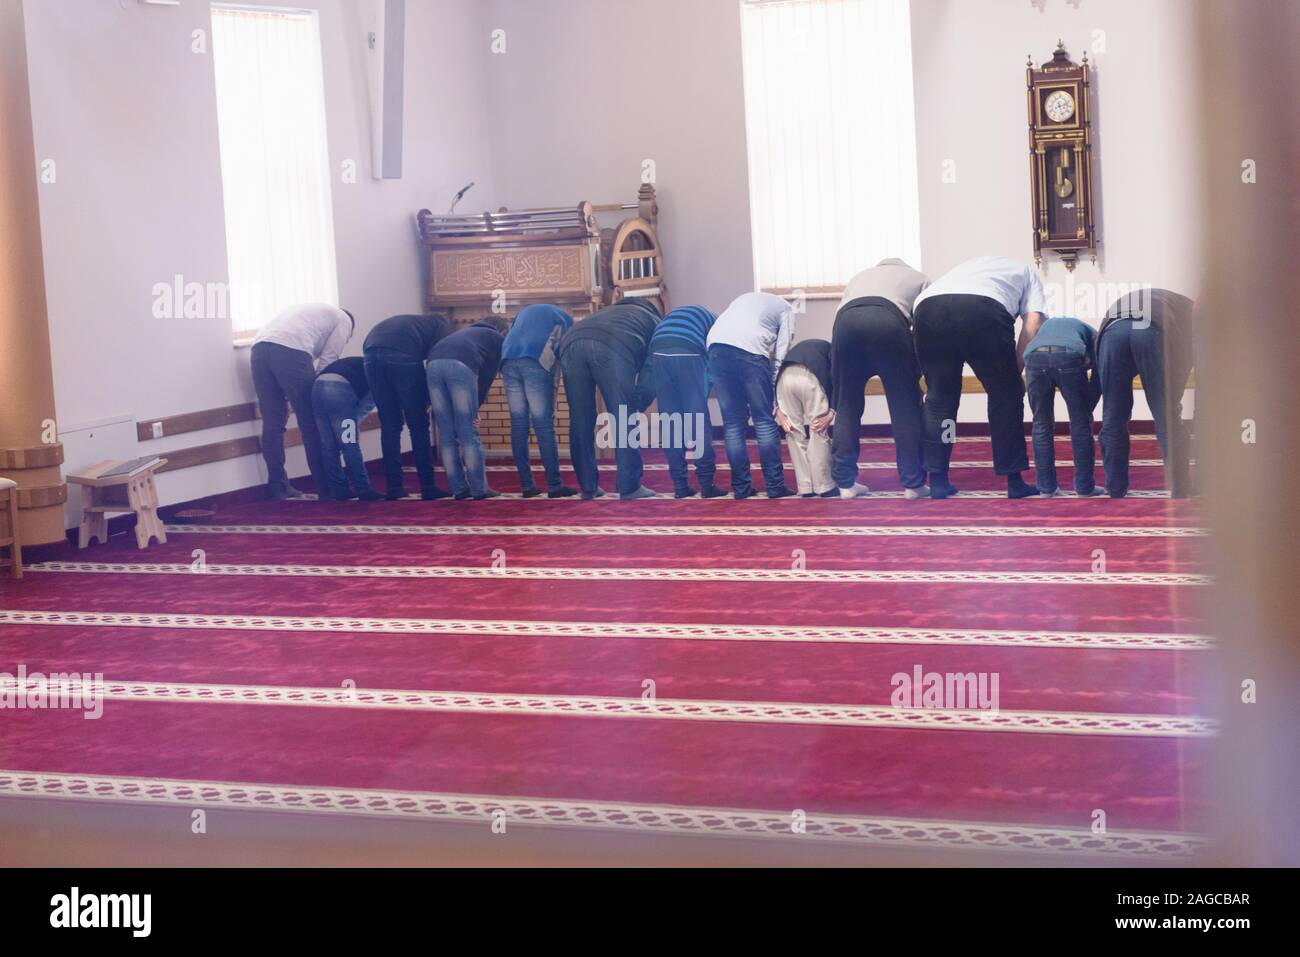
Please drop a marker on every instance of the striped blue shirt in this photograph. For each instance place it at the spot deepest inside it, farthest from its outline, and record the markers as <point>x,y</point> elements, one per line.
<point>683,330</point>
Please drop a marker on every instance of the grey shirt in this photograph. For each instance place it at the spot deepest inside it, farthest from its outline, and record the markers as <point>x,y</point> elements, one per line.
<point>892,279</point>
<point>1161,307</point>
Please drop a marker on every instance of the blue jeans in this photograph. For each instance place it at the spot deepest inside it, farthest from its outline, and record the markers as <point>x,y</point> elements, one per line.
<point>682,386</point>
<point>453,392</point>
<point>1126,350</point>
<point>588,365</point>
<point>336,405</point>
<point>743,382</point>
<point>398,385</point>
<point>1046,372</point>
<point>530,393</point>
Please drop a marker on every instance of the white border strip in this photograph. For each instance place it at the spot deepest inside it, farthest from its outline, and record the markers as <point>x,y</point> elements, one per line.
<point>806,576</point>
<point>1061,440</point>
<point>591,706</point>
<point>604,815</point>
<point>713,531</point>
<point>668,631</point>
<point>723,466</point>
<point>667,496</point>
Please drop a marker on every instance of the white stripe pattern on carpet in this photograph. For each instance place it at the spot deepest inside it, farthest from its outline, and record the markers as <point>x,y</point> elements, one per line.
<point>667,496</point>
<point>806,576</point>
<point>660,631</point>
<point>883,466</point>
<point>604,815</point>
<point>592,706</point>
<point>713,531</point>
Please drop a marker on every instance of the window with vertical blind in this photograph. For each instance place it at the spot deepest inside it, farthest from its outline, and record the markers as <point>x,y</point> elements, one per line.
<point>832,139</point>
<point>275,166</point>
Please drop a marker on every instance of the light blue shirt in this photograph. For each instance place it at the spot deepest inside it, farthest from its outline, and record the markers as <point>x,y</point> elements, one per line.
<point>756,322</point>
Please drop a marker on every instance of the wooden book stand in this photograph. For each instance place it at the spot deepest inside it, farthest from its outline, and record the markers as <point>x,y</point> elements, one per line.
<point>120,493</point>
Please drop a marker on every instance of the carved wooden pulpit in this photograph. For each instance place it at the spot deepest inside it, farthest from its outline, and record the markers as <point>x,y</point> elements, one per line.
<point>497,263</point>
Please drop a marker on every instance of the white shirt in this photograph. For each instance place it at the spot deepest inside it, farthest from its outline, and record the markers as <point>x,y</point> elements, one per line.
<point>315,328</point>
<point>1014,284</point>
<point>756,322</point>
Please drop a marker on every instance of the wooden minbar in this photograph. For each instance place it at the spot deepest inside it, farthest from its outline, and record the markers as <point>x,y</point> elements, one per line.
<point>497,263</point>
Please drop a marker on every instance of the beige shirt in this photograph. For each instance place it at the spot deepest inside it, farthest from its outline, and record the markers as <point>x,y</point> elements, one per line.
<point>892,279</point>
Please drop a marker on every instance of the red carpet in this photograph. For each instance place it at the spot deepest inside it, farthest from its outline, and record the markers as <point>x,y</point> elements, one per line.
<point>695,666</point>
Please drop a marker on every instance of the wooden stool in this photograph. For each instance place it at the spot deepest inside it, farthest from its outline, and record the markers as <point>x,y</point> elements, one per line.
<point>9,533</point>
<point>120,493</point>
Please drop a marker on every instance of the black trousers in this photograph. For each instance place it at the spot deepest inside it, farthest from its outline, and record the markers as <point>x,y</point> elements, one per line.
<point>401,394</point>
<point>952,330</point>
<point>871,338</point>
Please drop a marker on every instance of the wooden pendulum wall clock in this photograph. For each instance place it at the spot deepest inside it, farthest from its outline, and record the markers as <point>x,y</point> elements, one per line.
<point>1060,158</point>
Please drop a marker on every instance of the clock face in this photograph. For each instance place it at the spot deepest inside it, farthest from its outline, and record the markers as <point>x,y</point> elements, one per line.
<point>1059,106</point>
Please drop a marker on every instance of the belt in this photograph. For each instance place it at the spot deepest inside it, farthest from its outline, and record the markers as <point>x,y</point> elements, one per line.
<point>1053,349</point>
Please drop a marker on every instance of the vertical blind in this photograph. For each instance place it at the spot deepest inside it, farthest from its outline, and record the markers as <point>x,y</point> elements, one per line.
<point>274,162</point>
<point>832,139</point>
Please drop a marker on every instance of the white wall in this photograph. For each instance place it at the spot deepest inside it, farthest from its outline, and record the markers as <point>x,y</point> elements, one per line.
<point>127,112</point>
<point>589,89</point>
<point>969,64</point>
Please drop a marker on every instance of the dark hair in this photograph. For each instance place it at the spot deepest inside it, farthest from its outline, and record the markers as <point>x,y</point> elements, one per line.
<point>648,305</point>
<point>500,323</point>
<point>353,318</point>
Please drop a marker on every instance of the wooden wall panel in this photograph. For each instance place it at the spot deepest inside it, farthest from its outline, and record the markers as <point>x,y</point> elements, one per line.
<point>195,455</point>
<point>197,421</point>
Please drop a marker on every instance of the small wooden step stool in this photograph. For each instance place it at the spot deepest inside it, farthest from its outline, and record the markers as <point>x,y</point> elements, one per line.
<point>120,493</point>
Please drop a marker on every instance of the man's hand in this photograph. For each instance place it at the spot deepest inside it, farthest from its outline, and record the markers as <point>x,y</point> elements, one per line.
<point>1028,329</point>
<point>823,422</point>
<point>783,420</point>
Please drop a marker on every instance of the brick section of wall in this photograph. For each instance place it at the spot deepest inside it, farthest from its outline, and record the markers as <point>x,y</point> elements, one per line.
<point>494,419</point>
